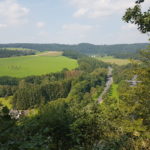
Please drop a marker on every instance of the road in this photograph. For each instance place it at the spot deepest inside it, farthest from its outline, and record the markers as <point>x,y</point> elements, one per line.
<point>108,84</point>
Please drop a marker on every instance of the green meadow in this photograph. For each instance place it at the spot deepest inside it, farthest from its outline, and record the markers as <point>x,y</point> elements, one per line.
<point>34,65</point>
<point>114,91</point>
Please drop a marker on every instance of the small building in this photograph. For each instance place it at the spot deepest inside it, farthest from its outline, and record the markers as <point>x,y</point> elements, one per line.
<point>16,114</point>
<point>134,81</point>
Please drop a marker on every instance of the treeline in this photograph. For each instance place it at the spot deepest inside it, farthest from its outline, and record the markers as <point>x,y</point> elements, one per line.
<point>30,95</point>
<point>5,52</point>
<point>73,54</point>
<point>6,80</point>
<point>118,50</point>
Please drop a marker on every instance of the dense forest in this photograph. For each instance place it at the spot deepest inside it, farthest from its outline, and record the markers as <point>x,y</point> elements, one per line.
<point>6,52</point>
<point>119,50</point>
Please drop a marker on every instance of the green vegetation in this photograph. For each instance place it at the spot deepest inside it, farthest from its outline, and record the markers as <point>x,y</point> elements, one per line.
<point>136,16</point>
<point>114,91</point>
<point>50,53</point>
<point>6,52</point>
<point>19,49</point>
<point>112,60</point>
<point>62,102</point>
<point>6,102</point>
<point>34,65</point>
<point>124,51</point>
<point>63,114</point>
<point>73,54</point>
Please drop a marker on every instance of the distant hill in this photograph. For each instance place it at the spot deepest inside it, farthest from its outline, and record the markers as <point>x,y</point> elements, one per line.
<point>118,50</point>
<point>12,52</point>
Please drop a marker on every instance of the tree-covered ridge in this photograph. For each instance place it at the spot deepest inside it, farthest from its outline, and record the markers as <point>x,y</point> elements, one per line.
<point>73,54</point>
<point>118,50</point>
<point>6,52</point>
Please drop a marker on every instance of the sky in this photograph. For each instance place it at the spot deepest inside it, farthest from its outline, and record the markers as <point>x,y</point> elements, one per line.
<point>68,22</point>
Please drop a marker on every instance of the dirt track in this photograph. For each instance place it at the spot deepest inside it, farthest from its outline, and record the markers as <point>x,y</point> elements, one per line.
<point>108,84</point>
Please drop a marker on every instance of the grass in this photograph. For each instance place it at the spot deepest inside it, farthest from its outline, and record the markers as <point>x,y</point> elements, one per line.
<point>34,65</point>
<point>50,53</point>
<point>112,60</point>
<point>6,102</point>
<point>114,91</point>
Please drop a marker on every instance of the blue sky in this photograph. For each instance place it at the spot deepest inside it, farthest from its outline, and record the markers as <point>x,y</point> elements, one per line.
<point>67,21</point>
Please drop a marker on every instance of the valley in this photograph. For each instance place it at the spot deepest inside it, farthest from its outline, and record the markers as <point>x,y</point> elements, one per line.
<point>76,95</point>
<point>55,94</point>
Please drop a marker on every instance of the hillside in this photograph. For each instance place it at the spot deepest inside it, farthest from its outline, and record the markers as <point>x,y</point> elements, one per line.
<point>34,65</point>
<point>12,52</point>
<point>80,96</point>
<point>118,50</point>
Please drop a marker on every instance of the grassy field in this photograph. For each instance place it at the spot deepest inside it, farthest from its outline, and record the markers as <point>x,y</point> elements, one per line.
<point>50,53</point>
<point>112,60</point>
<point>114,92</point>
<point>34,65</point>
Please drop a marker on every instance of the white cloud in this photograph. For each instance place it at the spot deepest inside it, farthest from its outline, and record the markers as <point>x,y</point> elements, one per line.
<point>12,13</point>
<point>101,8</point>
<point>80,12</point>
<point>40,24</point>
<point>74,33</point>
<point>43,33</point>
<point>129,36</point>
<point>76,27</point>
<point>3,25</point>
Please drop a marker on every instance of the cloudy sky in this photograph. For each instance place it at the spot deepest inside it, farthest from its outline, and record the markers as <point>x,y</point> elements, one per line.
<point>67,21</point>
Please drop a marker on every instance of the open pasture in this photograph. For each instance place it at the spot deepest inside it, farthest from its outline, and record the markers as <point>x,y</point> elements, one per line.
<point>34,65</point>
<point>112,60</point>
<point>50,53</point>
<point>114,91</point>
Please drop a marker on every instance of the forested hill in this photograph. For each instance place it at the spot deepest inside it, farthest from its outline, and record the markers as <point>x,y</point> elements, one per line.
<point>118,50</point>
<point>9,52</point>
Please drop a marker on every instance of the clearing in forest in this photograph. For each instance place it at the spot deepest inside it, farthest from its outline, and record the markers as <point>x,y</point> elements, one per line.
<point>112,60</point>
<point>50,53</point>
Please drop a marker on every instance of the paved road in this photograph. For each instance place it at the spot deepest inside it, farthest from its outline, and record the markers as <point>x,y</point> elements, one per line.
<point>108,84</point>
